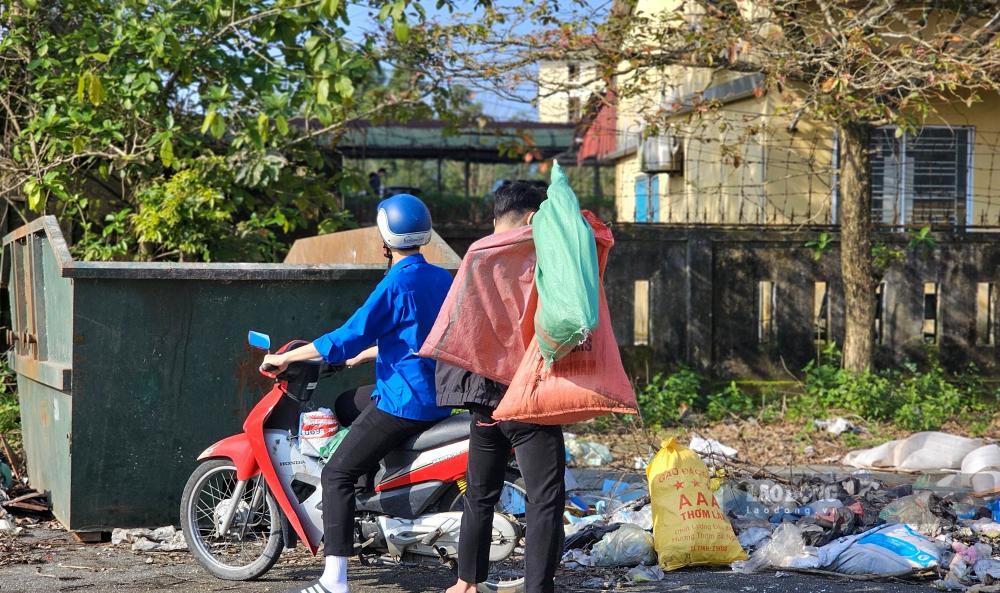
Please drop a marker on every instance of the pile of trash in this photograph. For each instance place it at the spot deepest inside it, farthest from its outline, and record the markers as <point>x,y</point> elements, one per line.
<point>16,497</point>
<point>849,523</point>
<point>611,527</point>
<point>581,452</point>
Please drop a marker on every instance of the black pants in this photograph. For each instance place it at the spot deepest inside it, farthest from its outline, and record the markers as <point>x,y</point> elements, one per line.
<point>351,403</point>
<point>541,455</point>
<point>373,434</point>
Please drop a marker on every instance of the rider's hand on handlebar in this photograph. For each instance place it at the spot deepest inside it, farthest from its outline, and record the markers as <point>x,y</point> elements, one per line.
<point>277,362</point>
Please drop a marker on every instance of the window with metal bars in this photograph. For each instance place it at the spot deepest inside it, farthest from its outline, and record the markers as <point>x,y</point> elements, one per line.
<point>921,178</point>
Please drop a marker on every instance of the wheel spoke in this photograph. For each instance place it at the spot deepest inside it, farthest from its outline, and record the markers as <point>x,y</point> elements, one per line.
<point>251,528</point>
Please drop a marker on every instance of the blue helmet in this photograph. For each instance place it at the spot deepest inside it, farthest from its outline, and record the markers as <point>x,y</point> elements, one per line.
<point>404,221</point>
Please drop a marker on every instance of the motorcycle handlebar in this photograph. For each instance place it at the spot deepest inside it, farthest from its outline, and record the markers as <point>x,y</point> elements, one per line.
<point>269,370</point>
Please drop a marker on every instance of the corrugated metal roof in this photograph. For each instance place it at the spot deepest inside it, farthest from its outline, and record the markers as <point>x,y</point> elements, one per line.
<point>496,141</point>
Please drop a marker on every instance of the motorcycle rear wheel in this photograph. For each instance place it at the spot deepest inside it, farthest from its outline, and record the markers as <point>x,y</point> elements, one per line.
<point>253,542</point>
<point>505,576</point>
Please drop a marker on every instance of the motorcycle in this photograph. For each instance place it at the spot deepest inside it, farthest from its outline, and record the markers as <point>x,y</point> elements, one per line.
<point>255,493</point>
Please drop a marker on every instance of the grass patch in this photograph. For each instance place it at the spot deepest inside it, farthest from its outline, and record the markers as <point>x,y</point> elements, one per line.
<point>908,397</point>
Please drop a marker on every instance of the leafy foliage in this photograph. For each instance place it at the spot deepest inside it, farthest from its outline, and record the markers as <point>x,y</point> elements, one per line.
<point>909,397</point>
<point>820,245</point>
<point>10,419</point>
<point>663,400</point>
<point>730,402</point>
<point>131,119</point>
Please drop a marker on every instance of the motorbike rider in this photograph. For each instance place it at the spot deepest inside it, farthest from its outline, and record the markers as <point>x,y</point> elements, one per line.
<point>540,450</point>
<point>396,317</point>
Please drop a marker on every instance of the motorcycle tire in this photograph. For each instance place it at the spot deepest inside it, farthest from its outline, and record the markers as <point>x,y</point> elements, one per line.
<point>194,516</point>
<point>453,500</point>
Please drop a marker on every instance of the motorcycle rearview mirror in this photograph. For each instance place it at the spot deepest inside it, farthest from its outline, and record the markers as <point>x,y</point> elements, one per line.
<point>259,340</point>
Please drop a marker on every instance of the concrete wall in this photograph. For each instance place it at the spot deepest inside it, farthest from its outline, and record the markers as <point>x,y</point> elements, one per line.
<point>704,298</point>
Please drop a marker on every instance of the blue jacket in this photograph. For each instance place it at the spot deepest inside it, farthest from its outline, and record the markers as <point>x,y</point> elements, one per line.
<point>397,317</point>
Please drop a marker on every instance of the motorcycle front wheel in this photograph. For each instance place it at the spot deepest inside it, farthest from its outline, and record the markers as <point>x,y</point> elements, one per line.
<point>252,543</point>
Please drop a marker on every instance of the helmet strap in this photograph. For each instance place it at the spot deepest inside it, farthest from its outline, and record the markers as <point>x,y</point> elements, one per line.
<point>388,255</point>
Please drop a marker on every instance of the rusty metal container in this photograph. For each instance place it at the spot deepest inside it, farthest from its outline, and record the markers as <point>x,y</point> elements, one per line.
<point>127,371</point>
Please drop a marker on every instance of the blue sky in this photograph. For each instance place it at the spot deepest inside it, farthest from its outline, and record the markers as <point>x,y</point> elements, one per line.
<point>495,105</point>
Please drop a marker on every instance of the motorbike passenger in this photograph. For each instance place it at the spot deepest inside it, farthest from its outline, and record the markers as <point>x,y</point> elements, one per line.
<point>396,318</point>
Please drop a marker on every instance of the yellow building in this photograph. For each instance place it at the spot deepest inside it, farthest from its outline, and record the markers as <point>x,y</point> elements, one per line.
<point>564,88</point>
<point>749,160</point>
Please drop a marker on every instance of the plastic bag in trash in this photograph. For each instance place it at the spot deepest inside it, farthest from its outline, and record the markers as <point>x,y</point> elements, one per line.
<point>629,545</point>
<point>688,524</point>
<point>985,527</point>
<point>643,517</point>
<point>645,574</point>
<point>915,511</point>
<point>836,426</point>
<point>586,535</point>
<point>752,537</point>
<point>709,448</point>
<point>316,429</point>
<point>163,539</point>
<point>785,550</point>
<point>885,550</point>
<point>740,503</point>
<point>7,526</point>
<point>956,579</point>
<point>576,558</point>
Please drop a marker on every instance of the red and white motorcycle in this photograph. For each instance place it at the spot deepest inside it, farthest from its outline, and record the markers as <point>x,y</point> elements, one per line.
<point>255,493</point>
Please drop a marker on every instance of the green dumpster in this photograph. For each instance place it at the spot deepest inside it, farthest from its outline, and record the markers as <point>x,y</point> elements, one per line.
<point>127,371</point>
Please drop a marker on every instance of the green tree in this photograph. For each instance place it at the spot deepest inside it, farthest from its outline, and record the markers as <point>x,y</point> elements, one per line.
<point>850,65</point>
<point>168,128</point>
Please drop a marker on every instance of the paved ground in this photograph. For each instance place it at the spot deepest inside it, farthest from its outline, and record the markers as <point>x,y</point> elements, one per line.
<point>51,561</point>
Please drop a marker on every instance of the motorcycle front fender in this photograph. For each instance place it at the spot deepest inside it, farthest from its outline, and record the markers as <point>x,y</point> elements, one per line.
<point>238,450</point>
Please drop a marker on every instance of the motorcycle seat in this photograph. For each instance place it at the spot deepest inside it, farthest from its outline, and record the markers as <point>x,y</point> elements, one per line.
<point>451,429</point>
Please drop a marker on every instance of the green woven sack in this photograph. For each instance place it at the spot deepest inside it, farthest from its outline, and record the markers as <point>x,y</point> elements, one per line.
<point>566,274</point>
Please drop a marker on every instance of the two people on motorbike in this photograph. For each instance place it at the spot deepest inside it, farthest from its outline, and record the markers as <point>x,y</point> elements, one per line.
<point>396,317</point>
<point>411,394</point>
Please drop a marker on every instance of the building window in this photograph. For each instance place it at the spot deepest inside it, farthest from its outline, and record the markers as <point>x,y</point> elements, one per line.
<point>572,71</point>
<point>921,178</point>
<point>986,302</point>
<point>880,313</point>
<point>931,312</point>
<point>640,304</point>
<point>765,311</point>
<point>573,109</point>
<point>821,312</point>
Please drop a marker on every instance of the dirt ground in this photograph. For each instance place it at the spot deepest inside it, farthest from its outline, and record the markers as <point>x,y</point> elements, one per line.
<point>44,560</point>
<point>762,444</point>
